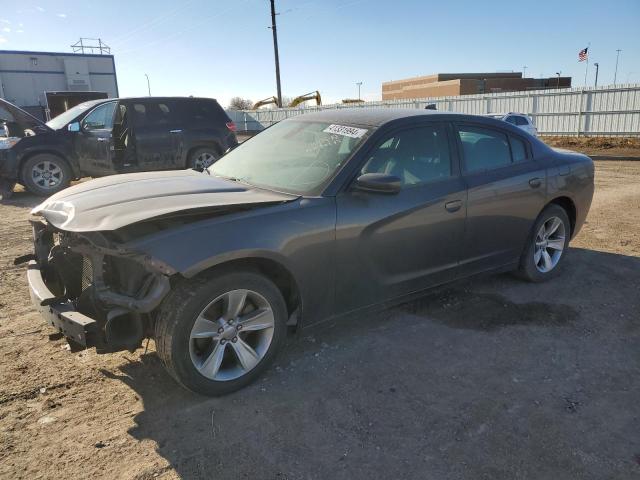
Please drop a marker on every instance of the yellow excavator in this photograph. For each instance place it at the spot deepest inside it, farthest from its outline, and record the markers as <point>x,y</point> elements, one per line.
<point>307,96</point>
<point>266,101</point>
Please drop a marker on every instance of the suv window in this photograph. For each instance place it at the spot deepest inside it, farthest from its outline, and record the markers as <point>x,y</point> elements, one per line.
<point>202,111</point>
<point>416,156</point>
<point>512,120</point>
<point>522,121</point>
<point>484,149</point>
<point>152,114</point>
<point>100,118</point>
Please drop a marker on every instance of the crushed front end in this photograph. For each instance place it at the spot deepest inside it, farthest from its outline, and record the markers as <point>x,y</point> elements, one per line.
<point>94,290</point>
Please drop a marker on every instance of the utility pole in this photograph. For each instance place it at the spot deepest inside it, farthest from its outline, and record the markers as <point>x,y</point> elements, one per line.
<point>597,65</point>
<point>148,84</point>
<point>558,74</point>
<point>275,49</point>
<point>615,75</point>
<point>359,84</point>
<point>524,70</point>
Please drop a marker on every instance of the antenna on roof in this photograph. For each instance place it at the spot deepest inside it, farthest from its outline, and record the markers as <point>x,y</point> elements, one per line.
<point>91,45</point>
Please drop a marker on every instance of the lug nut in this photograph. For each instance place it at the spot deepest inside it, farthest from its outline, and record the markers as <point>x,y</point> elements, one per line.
<point>231,322</point>
<point>223,341</point>
<point>220,330</point>
<point>239,327</point>
<point>234,339</point>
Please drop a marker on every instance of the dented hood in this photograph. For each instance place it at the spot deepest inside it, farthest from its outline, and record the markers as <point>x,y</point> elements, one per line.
<point>113,202</point>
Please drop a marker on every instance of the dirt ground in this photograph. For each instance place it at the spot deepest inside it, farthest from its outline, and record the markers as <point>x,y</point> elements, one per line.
<point>600,146</point>
<point>491,378</point>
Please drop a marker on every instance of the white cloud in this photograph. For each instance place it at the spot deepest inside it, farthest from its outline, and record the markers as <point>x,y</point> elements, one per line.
<point>40,9</point>
<point>21,25</point>
<point>62,15</point>
<point>2,20</point>
<point>3,40</point>
<point>6,29</point>
<point>19,31</point>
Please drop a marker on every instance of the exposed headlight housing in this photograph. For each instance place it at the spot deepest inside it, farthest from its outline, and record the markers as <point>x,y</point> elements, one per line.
<point>8,142</point>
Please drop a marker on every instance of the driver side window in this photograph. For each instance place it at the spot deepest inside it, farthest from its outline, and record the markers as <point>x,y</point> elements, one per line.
<point>100,118</point>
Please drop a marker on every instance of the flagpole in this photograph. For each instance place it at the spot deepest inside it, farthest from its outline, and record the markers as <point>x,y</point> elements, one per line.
<point>586,68</point>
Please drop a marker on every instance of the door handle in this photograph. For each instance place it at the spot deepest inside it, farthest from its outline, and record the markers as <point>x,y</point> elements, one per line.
<point>535,182</point>
<point>453,206</point>
<point>175,131</point>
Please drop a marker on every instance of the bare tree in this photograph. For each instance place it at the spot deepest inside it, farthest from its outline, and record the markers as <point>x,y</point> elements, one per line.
<point>239,103</point>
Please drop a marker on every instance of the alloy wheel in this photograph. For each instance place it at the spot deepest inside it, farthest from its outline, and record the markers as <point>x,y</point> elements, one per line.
<point>550,241</point>
<point>231,335</point>
<point>47,175</point>
<point>204,160</point>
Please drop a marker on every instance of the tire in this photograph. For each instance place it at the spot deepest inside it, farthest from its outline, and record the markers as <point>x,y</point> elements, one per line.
<point>189,337</point>
<point>45,174</point>
<point>202,158</point>
<point>535,264</point>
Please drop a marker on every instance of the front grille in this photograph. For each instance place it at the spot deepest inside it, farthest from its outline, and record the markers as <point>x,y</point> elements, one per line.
<point>87,273</point>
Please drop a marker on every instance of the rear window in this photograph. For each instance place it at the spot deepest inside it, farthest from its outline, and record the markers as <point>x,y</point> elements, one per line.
<point>198,111</point>
<point>521,121</point>
<point>484,149</point>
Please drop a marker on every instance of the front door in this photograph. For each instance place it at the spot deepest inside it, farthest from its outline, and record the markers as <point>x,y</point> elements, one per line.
<point>388,245</point>
<point>158,135</point>
<point>506,192</point>
<point>94,143</point>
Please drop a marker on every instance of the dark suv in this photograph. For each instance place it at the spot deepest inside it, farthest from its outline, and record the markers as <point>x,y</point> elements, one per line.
<point>103,137</point>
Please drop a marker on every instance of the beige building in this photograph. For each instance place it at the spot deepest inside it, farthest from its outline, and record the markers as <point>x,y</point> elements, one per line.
<point>453,84</point>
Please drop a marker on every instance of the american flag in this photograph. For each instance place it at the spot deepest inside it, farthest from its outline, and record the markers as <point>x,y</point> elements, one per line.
<point>583,55</point>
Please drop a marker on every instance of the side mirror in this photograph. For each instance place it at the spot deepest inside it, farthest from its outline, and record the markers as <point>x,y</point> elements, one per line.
<point>73,127</point>
<point>378,183</point>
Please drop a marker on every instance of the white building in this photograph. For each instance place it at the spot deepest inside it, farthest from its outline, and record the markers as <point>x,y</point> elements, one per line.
<point>26,76</point>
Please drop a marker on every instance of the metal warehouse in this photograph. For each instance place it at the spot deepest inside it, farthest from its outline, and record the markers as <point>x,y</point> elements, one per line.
<point>34,80</point>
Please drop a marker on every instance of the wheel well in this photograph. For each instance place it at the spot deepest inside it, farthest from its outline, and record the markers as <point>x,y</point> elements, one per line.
<point>30,155</point>
<point>567,204</point>
<point>274,271</point>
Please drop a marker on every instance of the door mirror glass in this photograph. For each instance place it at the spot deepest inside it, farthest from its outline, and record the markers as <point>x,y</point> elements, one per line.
<point>378,183</point>
<point>74,127</point>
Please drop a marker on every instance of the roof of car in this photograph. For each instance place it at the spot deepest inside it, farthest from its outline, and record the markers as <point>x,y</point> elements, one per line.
<point>373,116</point>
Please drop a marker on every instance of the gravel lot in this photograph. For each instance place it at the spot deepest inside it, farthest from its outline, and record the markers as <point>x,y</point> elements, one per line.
<point>491,378</point>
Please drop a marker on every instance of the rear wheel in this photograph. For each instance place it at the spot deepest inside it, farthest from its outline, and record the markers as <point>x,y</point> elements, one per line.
<point>203,158</point>
<point>216,335</point>
<point>547,245</point>
<point>45,174</point>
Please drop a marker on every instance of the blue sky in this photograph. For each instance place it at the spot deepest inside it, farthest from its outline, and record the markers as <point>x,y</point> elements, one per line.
<point>224,48</point>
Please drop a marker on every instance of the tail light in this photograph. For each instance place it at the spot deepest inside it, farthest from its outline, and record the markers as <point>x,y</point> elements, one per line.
<point>231,126</point>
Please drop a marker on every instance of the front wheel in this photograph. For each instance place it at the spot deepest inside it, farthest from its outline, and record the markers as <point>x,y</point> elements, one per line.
<point>217,334</point>
<point>45,174</point>
<point>547,245</point>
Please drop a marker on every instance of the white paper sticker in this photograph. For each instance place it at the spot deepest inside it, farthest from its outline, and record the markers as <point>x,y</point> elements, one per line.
<point>343,130</point>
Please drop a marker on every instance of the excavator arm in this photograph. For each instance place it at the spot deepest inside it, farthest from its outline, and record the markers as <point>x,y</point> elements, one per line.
<point>266,101</point>
<point>307,96</point>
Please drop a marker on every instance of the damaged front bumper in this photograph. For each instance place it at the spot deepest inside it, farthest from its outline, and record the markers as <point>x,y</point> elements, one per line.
<point>94,291</point>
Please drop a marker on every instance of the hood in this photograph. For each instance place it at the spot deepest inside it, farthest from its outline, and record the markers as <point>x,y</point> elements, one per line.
<point>113,202</point>
<point>12,114</point>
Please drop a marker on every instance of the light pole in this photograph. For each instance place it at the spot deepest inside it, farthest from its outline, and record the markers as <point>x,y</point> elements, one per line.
<point>558,74</point>
<point>615,75</point>
<point>359,84</point>
<point>275,50</point>
<point>524,71</point>
<point>597,65</point>
<point>148,84</point>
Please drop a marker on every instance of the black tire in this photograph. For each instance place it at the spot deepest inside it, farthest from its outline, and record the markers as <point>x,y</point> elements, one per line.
<point>178,315</point>
<point>57,167</point>
<point>529,269</point>
<point>203,157</point>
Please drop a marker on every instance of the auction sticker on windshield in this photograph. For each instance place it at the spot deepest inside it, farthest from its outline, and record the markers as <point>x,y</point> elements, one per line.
<point>352,132</point>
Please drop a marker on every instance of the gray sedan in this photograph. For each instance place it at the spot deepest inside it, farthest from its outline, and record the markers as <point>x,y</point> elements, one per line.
<point>319,216</point>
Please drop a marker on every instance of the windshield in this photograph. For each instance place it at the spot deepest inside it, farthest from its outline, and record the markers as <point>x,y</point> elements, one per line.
<point>292,156</point>
<point>65,117</point>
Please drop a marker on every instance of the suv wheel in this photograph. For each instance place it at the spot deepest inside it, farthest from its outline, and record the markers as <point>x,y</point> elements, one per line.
<point>547,245</point>
<point>45,174</point>
<point>217,334</point>
<point>203,158</point>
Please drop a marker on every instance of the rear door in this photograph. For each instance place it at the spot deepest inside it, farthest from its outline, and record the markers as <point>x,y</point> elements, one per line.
<point>94,143</point>
<point>388,245</point>
<point>158,134</point>
<point>506,192</point>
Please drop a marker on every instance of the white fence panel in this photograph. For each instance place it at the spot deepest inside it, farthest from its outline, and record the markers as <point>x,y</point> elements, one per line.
<point>605,110</point>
